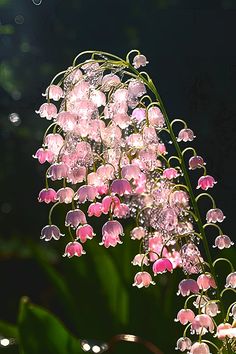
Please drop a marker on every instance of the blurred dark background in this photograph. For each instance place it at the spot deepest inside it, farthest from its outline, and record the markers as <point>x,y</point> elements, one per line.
<point>192,54</point>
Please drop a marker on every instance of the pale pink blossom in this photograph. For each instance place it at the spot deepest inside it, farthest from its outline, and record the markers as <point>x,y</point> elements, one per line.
<point>84,233</point>
<point>49,232</point>
<point>196,162</point>
<point>202,324</point>
<point>188,286</point>
<point>223,241</point>
<point>111,232</point>
<point>65,195</point>
<point>85,193</point>
<point>140,259</point>
<point>54,142</point>
<point>139,114</point>
<point>155,117</point>
<point>170,173</point>
<point>74,218</point>
<point>183,343</point>
<point>106,172</point>
<point>73,249</point>
<point>136,89</point>
<point>143,279</point>
<point>138,233</point>
<point>206,182</point>
<point>98,98</point>
<point>47,110</point>
<point>162,265</point>
<point>130,172</point>
<point>54,92</point>
<point>184,316</point>
<point>199,348</point>
<point>120,96</point>
<point>57,171</point>
<point>47,195</point>
<point>179,199</point>
<point>109,81</point>
<point>185,135</point>
<point>150,136</point>
<point>122,211</point>
<point>215,215</point>
<point>231,280</point>
<point>225,330</point>
<point>191,258</point>
<point>76,175</point>
<point>44,155</point>
<point>155,246</point>
<point>139,60</point>
<point>206,281</point>
<point>67,121</point>
<point>211,309</point>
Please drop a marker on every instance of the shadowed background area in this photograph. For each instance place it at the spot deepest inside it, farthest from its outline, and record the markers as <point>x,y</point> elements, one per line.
<point>190,47</point>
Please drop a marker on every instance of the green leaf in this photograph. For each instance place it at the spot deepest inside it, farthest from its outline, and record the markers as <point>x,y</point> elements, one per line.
<point>8,329</point>
<point>41,332</point>
<point>111,282</point>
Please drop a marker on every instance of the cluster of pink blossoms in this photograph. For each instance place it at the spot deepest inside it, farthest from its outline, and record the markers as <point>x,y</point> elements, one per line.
<point>105,148</point>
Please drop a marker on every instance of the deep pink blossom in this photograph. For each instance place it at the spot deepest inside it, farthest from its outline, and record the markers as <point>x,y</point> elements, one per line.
<point>73,249</point>
<point>206,182</point>
<point>84,233</point>
<point>162,265</point>
<point>47,195</point>
<point>95,209</point>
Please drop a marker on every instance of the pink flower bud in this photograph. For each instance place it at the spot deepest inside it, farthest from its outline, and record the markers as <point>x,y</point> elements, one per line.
<point>73,249</point>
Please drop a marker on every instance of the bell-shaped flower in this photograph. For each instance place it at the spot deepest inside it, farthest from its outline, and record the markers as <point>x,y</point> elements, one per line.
<point>202,324</point>
<point>143,279</point>
<point>49,232</point>
<point>65,195</point>
<point>206,281</point>
<point>155,117</point>
<point>184,316</point>
<point>138,233</point>
<point>223,241</point>
<point>47,110</point>
<point>111,232</point>
<point>44,155</point>
<point>54,92</point>
<point>47,195</point>
<point>196,162</point>
<point>231,280</point>
<point>162,265</point>
<point>185,135</point>
<point>206,182</point>
<point>121,187</point>
<point>139,60</point>
<point>74,218</point>
<point>188,286</point>
<point>54,142</point>
<point>58,171</point>
<point>170,173</point>
<point>199,348</point>
<point>74,249</point>
<point>215,215</point>
<point>183,344</point>
<point>85,193</point>
<point>84,233</point>
<point>140,259</point>
<point>95,209</point>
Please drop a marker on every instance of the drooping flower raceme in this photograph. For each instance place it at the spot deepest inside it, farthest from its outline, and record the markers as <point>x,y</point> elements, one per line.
<point>107,149</point>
